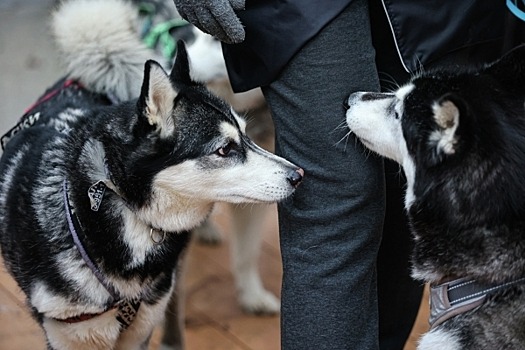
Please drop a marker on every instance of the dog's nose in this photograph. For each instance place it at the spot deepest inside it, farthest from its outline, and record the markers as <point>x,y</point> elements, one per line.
<point>372,96</point>
<point>345,104</point>
<point>295,177</point>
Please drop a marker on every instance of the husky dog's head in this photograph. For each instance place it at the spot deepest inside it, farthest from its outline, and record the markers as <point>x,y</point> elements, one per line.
<point>460,138</point>
<point>444,123</point>
<point>188,149</point>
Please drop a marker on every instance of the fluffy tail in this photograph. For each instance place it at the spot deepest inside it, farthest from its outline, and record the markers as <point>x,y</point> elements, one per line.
<point>99,43</point>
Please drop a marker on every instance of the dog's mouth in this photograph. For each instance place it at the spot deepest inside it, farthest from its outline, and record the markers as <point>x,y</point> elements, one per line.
<point>249,199</point>
<point>366,142</point>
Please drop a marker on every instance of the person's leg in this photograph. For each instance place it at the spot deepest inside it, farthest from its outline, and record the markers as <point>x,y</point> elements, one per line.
<point>330,229</point>
<point>399,294</point>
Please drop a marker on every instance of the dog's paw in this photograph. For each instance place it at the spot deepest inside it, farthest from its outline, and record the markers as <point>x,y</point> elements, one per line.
<point>262,302</point>
<point>207,233</point>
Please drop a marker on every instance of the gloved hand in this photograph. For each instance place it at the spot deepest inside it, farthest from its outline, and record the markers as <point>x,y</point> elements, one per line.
<point>215,17</point>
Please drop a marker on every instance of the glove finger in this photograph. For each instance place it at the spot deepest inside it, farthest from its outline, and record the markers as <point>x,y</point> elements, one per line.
<point>227,19</point>
<point>189,15</point>
<point>237,4</point>
<point>208,24</point>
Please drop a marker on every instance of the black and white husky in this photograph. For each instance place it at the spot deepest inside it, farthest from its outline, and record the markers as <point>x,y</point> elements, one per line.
<point>460,138</point>
<point>98,192</point>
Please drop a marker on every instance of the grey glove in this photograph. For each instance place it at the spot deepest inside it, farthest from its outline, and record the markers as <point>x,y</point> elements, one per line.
<point>215,17</point>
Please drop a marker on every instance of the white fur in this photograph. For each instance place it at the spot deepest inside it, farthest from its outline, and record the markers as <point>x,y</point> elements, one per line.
<point>439,339</point>
<point>446,115</point>
<point>230,131</point>
<point>240,121</point>
<point>160,100</point>
<point>99,54</point>
<point>103,332</point>
<point>245,251</point>
<point>7,180</point>
<point>97,333</point>
<point>206,61</point>
<point>55,306</point>
<point>373,122</point>
<point>257,180</point>
<point>102,61</point>
<point>137,237</point>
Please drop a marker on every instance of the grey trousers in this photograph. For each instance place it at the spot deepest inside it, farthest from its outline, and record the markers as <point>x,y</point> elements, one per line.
<point>330,229</point>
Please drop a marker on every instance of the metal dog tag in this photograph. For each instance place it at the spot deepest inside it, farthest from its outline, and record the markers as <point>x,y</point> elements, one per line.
<point>96,194</point>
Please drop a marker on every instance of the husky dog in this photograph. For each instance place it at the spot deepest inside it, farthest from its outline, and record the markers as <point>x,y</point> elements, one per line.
<point>159,18</point>
<point>98,192</point>
<point>460,138</point>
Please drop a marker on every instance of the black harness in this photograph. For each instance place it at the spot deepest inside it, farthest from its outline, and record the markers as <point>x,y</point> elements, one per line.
<point>459,296</point>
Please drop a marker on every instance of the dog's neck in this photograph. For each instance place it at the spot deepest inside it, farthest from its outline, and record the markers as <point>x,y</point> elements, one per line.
<point>164,210</point>
<point>174,213</point>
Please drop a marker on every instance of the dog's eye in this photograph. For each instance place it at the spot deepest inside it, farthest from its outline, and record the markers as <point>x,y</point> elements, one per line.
<point>225,150</point>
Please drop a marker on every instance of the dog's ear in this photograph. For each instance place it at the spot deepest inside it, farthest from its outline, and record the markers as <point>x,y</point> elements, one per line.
<point>180,73</point>
<point>157,98</point>
<point>446,114</point>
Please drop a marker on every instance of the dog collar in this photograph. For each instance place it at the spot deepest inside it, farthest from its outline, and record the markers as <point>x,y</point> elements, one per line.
<point>459,296</point>
<point>126,308</point>
<point>96,195</point>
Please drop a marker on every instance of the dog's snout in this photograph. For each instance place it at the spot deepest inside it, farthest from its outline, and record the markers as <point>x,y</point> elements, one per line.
<point>295,177</point>
<point>372,96</point>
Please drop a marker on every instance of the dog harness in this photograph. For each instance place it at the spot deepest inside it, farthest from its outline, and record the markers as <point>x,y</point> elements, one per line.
<point>29,119</point>
<point>126,308</point>
<point>459,296</point>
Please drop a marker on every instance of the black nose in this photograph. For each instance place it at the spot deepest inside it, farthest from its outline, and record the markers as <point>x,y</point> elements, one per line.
<point>295,177</point>
<point>345,103</point>
<point>372,96</point>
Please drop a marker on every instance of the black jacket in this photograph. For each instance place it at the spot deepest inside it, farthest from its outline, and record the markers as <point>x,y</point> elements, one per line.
<point>275,31</point>
<point>423,31</point>
<point>461,31</point>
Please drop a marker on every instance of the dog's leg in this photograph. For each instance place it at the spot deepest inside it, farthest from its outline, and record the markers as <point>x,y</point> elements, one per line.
<point>207,233</point>
<point>245,250</point>
<point>173,335</point>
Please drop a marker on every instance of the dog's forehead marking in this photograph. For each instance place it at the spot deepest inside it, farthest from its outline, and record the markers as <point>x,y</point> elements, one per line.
<point>403,91</point>
<point>240,121</point>
<point>230,131</point>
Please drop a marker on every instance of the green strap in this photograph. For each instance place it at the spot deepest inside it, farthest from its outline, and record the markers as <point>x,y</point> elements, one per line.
<point>160,35</point>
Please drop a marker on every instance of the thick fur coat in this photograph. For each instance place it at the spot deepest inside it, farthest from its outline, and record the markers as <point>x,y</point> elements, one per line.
<point>460,137</point>
<point>131,177</point>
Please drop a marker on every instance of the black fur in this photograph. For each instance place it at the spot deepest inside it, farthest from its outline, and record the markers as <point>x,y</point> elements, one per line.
<point>38,160</point>
<point>465,137</point>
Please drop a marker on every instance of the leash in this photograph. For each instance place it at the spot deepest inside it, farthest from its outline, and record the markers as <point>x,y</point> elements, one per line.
<point>459,296</point>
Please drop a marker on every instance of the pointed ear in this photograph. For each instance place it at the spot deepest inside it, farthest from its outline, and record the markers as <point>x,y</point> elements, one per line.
<point>157,98</point>
<point>180,72</point>
<point>446,115</point>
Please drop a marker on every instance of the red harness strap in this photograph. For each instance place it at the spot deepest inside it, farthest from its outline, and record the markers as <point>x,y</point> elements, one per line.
<point>29,119</point>
<point>83,317</point>
<point>51,94</point>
